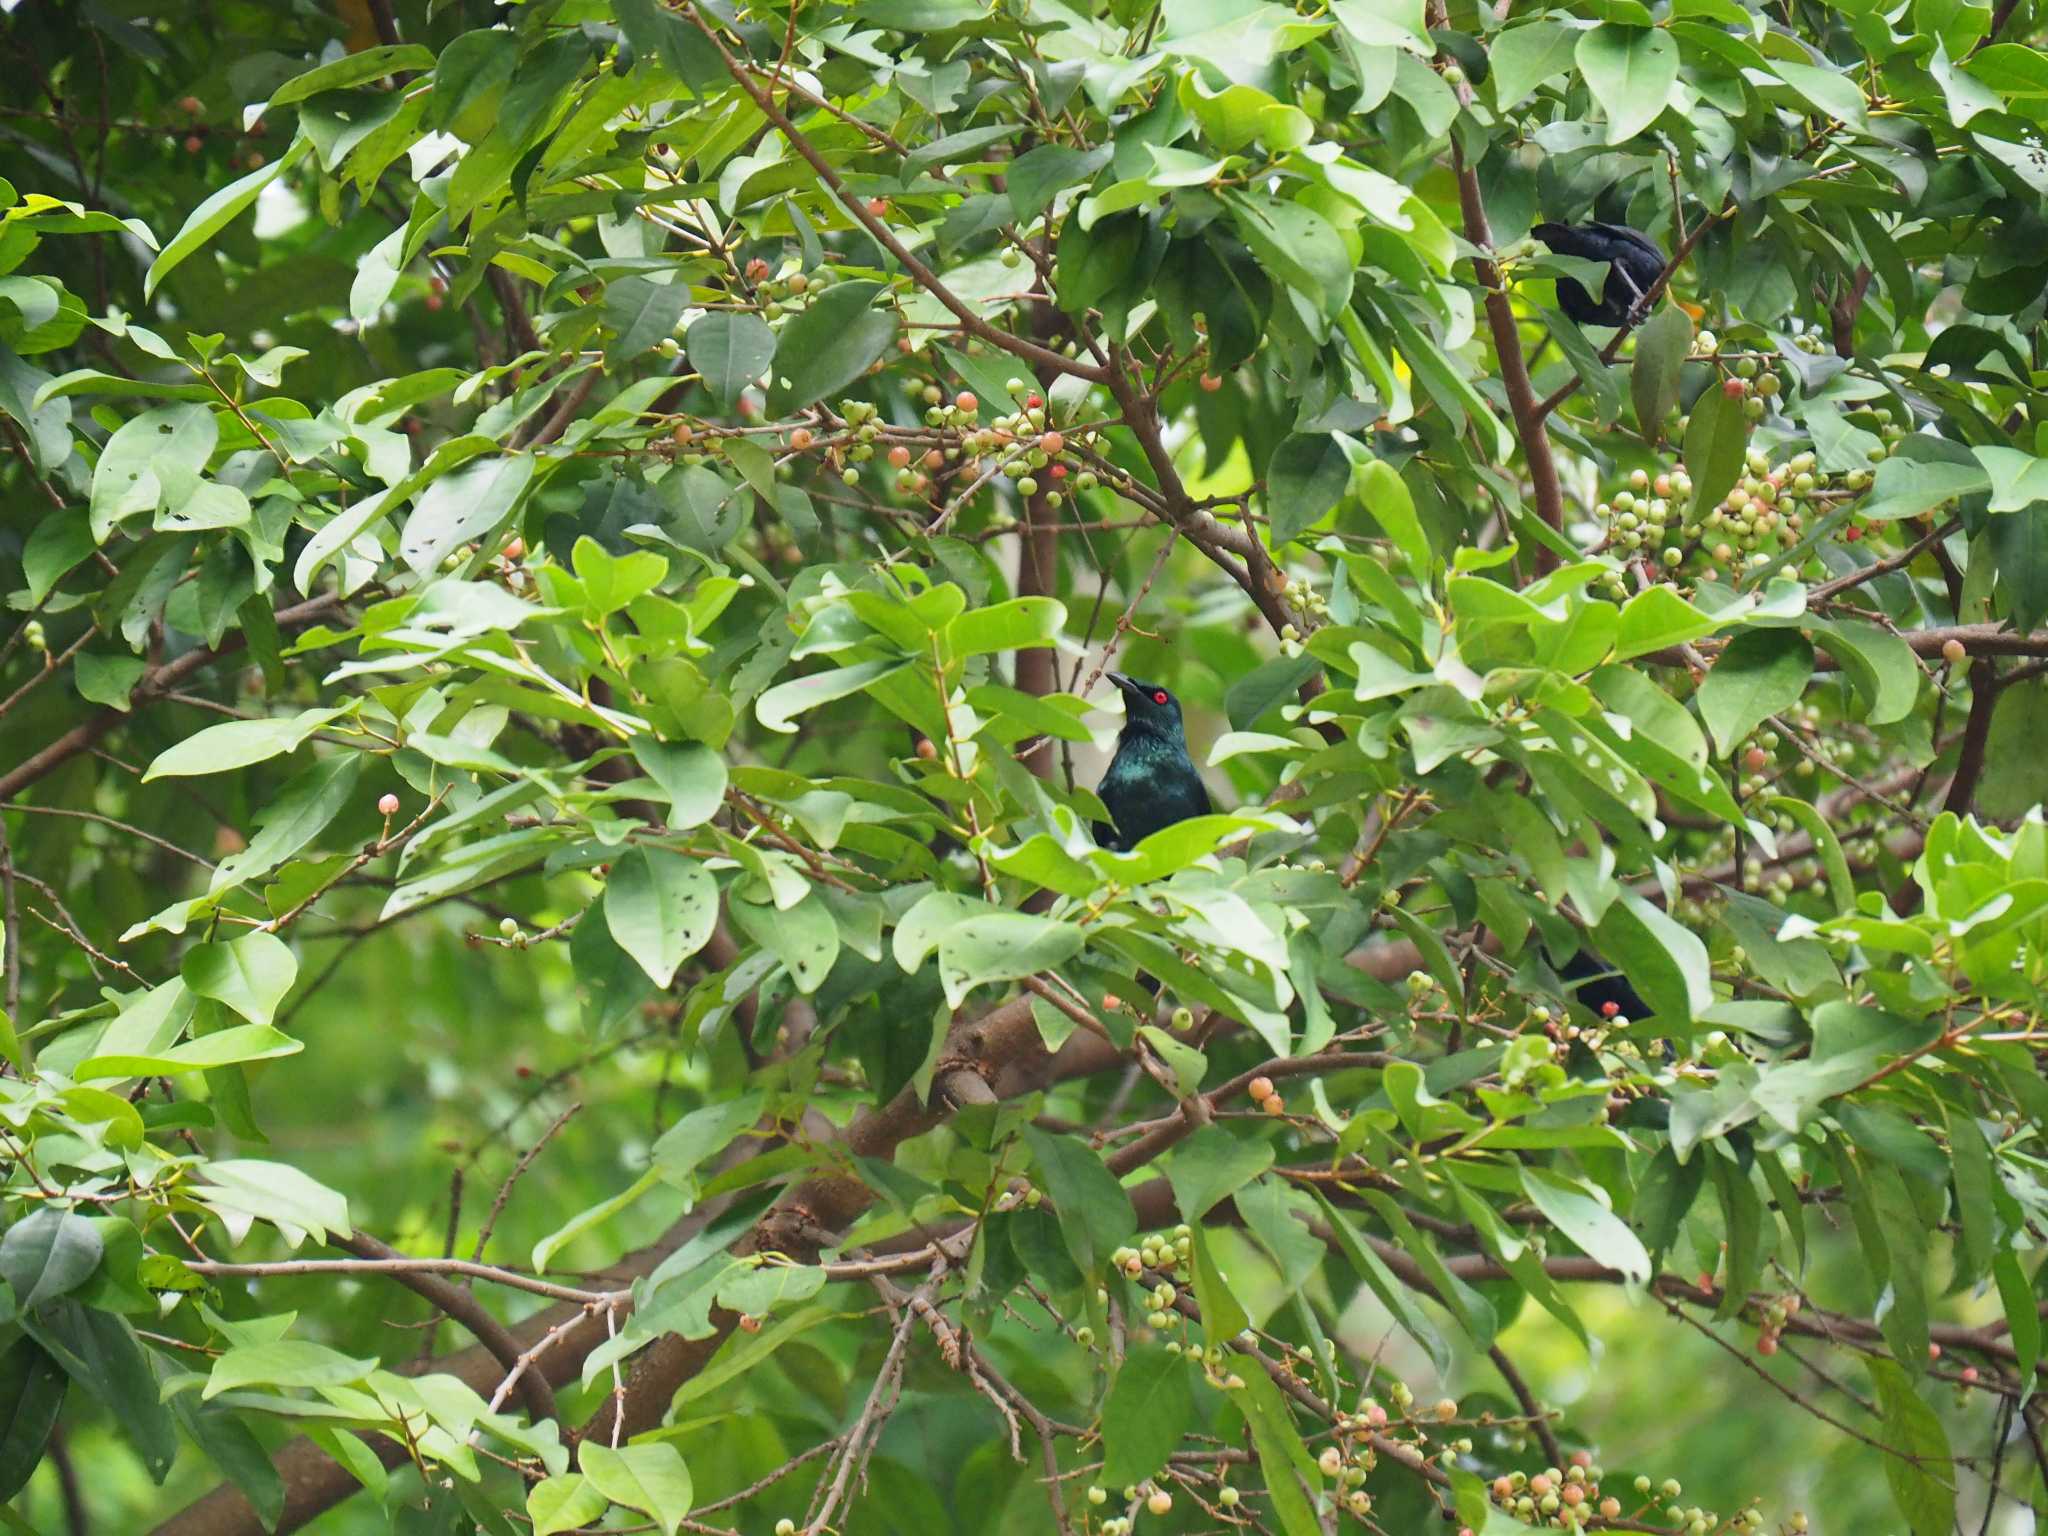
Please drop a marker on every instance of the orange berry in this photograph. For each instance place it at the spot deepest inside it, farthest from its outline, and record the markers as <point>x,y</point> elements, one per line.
<point>194,144</point>
<point>925,749</point>
<point>1260,1088</point>
<point>878,206</point>
<point>1275,1105</point>
<point>933,459</point>
<point>899,456</point>
<point>800,438</point>
<point>516,550</point>
<point>1211,382</point>
<point>966,401</point>
<point>1052,442</point>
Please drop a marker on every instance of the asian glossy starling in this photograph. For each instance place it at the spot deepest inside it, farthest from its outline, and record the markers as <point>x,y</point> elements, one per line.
<point>1633,260</point>
<point>1151,782</point>
<point>1596,984</point>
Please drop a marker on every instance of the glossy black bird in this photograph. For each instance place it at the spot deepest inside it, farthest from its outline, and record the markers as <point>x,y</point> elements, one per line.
<point>1151,782</point>
<point>1633,260</point>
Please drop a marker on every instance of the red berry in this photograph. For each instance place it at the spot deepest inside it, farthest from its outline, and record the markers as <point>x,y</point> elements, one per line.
<point>1609,1009</point>
<point>1052,442</point>
<point>516,550</point>
<point>1058,471</point>
<point>899,457</point>
<point>1852,533</point>
<point>1032,402</point>
<point>1211,383</point>
<point>194,144</point>
<point>1767,1344</point>
<point>435,301</point>
<point>1968,1375</point>
<point>966,401</point>
<point>1732,388</point>
<point>1756,759</point>
<point>1934,1351</point>
<point>878,206</point>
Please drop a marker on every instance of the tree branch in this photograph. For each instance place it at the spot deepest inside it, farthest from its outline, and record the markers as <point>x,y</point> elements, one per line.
<point>1514,366</point>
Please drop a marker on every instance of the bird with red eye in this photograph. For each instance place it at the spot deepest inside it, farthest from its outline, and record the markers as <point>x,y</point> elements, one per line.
<point>1151,782</point>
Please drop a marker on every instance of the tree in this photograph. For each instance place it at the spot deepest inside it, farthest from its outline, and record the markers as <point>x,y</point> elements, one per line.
<point>561,563</point>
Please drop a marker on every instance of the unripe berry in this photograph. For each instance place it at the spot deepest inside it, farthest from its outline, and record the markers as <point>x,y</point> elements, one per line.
<point>1160,1502</point>
<point>1331,1461</point>
<point>1953,652</point>
<point>785,1527</point>
<point>509,927</point>
<point>1098,1495</point>
<point>1227,1497</point>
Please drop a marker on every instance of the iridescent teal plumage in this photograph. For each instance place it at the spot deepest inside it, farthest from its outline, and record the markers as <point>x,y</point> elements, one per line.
<point>1151,782</point>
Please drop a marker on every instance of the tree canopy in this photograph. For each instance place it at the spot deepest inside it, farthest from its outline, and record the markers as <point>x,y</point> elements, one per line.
<point>561,568</point>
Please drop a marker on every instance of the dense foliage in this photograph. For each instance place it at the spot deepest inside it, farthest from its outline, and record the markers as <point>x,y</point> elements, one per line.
<point>561,563</point>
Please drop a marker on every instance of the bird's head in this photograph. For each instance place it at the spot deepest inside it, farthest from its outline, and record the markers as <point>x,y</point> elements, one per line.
<point>1147,706</point>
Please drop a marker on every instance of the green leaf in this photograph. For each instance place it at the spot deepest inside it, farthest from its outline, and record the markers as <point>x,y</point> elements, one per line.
<point>1630,71</point>
<point>284,1363</point>
<point>805,938</point>
<point>1576,1209</point>
<point>1662,345</point>
<point>468,503</point>
<point>1386,496</point>
<point>2022,1317</point>
<point>1021,623</point>
<point>305,808</point>
<point>353,69</point>
<point>251,974</point>
<point>1664,961</point>
<point>1040,174</point>
<point>107,680</point>
<point>565,1503</point>
<point>1150,1406</point>
<point>1762,672</point>
<point>831,344</point>
<point>47,1254</point>
<point>640,313</point>
<point>779,706</point>
<point>1392,1292</point>
<point>1095,1214</point>
<point>1002,946</point>
<point>730,352</point>
<point>1655,618</point>
<point>1716,437</point>
<point>32,1387</point>
<point>222,1048</point>
<point>692,776</point>
<point>1283,1459</point>
<point>237,744</point>
<point>53,551</point>
<point>1921,1475</point>
<point>167,440</point>
<point>612,582</point>
<point>1212,1164</point>
<point>1525,56</point>
<point>1306,478</point>
<point>661,907</point>
<point>651,1478</point>
<point>298,1205</point>
<point>213,215</point>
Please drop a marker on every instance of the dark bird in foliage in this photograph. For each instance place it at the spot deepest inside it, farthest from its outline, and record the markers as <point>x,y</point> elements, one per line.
<point>1602,988</point>
<point>1151,782</point>
<point>1633,260</point>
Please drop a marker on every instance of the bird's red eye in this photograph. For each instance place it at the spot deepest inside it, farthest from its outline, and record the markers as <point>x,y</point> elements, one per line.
<point>1159,697</point>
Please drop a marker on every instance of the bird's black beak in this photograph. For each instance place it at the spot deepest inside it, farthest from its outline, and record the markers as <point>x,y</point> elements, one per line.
<point>1124,684</point>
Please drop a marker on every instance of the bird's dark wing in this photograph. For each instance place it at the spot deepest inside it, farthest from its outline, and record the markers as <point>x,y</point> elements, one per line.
<point>1105,837</point>
<point>1632,242</point>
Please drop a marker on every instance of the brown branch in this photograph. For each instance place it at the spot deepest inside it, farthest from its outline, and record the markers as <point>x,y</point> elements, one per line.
<point>1514,367</point>
<point>1976,735</point>
<point>970,321</point>
<point>154,684</point>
